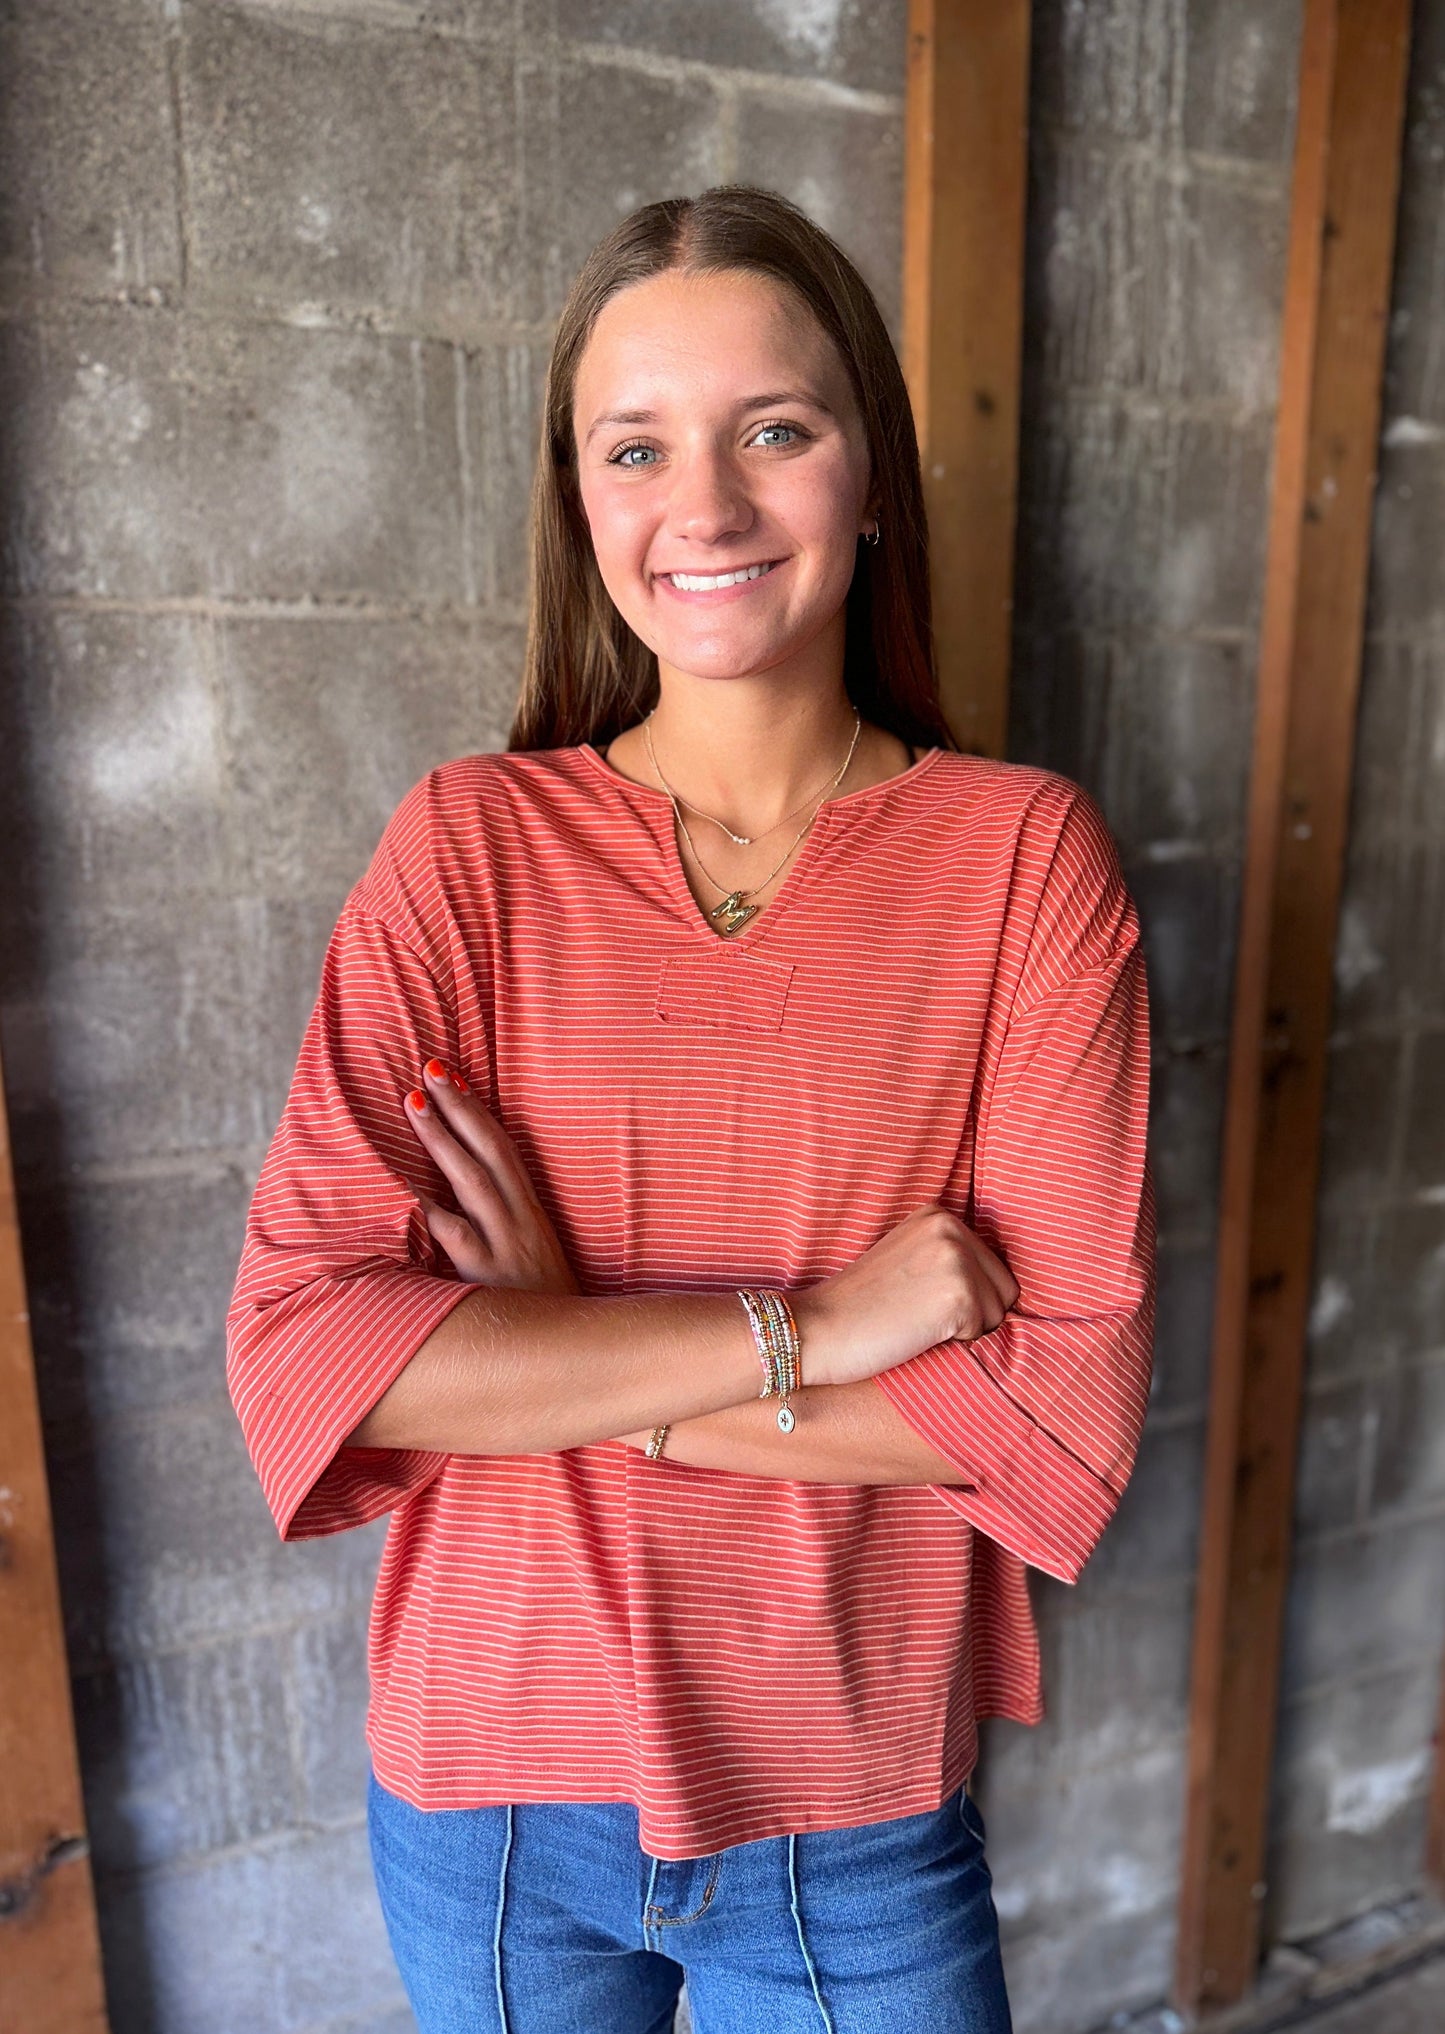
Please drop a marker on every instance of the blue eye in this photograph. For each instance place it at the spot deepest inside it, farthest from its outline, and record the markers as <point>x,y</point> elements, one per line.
<point>623,456</point>
<point>766,431</point>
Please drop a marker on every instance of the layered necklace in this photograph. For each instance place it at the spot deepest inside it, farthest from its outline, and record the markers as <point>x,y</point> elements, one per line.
<point>734,911</point>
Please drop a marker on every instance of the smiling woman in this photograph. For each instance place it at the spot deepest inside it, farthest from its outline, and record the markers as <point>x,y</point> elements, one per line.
<point>729,1038</point>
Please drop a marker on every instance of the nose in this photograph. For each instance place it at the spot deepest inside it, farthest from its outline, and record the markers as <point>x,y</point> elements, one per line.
<point>708,500</point>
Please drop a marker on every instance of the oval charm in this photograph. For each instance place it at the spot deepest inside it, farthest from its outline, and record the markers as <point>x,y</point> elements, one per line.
<point>785,1418</point>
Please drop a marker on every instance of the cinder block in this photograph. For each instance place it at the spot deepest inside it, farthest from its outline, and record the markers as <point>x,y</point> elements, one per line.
<point>1388,802</point>
<point>165,1542</point>
<point>1408,1293</point>
<point>1352,1769</point>
<point>1346,1335</point>
<point>1406,592</point>
<point>1060,689</point>
<point>1186,909</point>
<point>267,1940</point>
<point>1175,767</point>
<point>1186,1104</point>
<point>1232,272</point>
<point>284,941</point>
<point>1084,1881</point>
<point>1112,68</point>
<point>1424,1143</point>
<point>329,1697</point>
<point>367,171</point>
<point>1154,1534</point>
<point>128,1281</point>
<point>111,741</point>
<point>330,722</point>
<point>266,462</point>
<point>1360,1604</point>
<point>94,491</point>
<point>126,1040</point>
<point>1415,379</point>
<point>185,1754</point>
<point>1409,1402</point>
<point>1240,68</point>
<point>845,168</point>
<point>847,42</point>
<point>1337,1422</point>
<point>503,422</point>
<point>1090,469</point>
<point>1183,1325</point>
<point>1116,1688</point>
<point>323,465</point>
<point>1377,938</point>
<point>1211,558</point>
<point>1364,1091</point>
<point>87,152</point>
<point>597,142</point>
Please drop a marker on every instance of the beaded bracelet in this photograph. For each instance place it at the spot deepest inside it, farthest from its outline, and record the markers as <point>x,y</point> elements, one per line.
<point>775,1333</point>
<point>654,1446</point>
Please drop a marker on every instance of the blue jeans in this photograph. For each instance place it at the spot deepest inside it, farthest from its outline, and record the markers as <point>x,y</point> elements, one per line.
<point>549,1918</point>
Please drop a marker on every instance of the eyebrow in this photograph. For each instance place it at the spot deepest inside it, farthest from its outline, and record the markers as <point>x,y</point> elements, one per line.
<point>769,400</point>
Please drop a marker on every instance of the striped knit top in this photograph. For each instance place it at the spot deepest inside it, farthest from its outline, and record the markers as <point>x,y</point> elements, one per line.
<point>944,1001</point>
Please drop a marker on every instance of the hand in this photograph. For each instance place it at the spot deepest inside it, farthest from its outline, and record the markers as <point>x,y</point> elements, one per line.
<point>502,1234</point>
<point>928,1279</point>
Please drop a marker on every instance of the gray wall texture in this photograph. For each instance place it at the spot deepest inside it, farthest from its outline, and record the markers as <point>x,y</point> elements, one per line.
<point>276,284</point>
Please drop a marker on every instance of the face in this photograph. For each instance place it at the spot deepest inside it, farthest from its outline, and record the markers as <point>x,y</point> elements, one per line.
<point>718,435</point>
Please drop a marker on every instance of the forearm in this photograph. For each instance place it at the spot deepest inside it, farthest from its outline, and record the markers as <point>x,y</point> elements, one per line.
<point>846,1433</point>
<point>518,1372</point>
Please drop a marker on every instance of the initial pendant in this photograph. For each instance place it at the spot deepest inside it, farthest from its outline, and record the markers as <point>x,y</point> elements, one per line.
<point>732,912</point>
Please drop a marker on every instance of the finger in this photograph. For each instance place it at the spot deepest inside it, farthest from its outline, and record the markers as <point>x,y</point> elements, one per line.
<point>1000,1278</point>
<point>468,1253</point>
<point>477,1129</point>
<point>473,1185</point>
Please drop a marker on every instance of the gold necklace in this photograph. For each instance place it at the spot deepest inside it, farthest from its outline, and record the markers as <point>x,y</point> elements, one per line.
<point>742,839</point>
<point>733,913</point>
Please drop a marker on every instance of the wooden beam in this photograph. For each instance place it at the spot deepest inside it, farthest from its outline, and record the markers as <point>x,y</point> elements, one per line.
<point>965,191</point>
<point>50,1973</point>
<point>1346,178</point>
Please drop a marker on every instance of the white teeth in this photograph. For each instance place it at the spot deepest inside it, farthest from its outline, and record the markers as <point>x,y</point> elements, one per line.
<point>701,582</point>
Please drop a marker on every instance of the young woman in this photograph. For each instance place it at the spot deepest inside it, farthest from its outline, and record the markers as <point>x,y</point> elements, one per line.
<point>711,1214</point>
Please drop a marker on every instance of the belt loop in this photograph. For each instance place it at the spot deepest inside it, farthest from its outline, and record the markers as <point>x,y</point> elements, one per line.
<point>497,1933</point>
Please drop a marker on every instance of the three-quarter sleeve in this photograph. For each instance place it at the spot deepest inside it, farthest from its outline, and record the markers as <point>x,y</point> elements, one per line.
<point>1043,1414</point>
<point>340,1282</point>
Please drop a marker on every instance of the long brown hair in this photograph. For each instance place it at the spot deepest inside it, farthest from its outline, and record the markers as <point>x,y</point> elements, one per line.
<point>587,676</point>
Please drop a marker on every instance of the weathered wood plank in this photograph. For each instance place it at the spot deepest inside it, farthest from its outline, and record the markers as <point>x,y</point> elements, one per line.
<point>50,1971</point>
<point>965,194</point>
<point>1346,179</point>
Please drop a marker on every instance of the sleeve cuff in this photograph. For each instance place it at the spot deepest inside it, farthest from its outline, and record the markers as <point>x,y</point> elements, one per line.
<point>338,1354</point>
<point>1025,1489</point>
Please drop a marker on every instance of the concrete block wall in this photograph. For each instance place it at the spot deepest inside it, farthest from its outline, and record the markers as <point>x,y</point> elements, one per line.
<point>276,283</point>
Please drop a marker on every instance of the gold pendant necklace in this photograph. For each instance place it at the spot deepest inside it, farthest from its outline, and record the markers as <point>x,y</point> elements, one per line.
<point>734,912</point>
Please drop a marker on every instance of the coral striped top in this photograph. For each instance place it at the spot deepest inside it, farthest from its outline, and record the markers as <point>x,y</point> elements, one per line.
<point>945,1000</point>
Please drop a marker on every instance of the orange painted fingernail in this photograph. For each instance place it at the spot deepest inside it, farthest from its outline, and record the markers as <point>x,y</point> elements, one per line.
<point>436,1070</point>
<point>460,1085</point>
<point>417,1100</point>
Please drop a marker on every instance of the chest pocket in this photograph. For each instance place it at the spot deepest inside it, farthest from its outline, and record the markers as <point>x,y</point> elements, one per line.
<point>724,991</point>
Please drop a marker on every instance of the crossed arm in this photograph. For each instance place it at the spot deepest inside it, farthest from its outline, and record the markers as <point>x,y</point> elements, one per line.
<point>499,1235</point>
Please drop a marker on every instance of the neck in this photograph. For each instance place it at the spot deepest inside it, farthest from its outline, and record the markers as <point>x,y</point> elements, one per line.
<point>748,752</point>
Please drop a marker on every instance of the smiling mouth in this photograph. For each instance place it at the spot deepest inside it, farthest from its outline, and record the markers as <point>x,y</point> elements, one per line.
<point>712,582</point>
